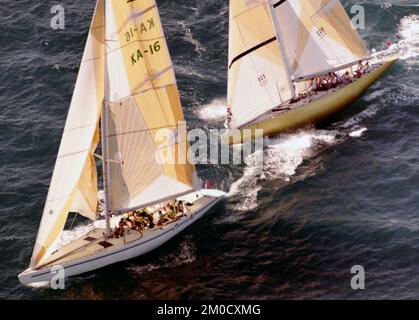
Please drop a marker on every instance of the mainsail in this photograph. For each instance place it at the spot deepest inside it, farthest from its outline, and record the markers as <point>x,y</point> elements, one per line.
<point>273,41</point>
<point>318,36</point>
<point>73,186</point>
<point>142,102</point>
<point>257,75</point>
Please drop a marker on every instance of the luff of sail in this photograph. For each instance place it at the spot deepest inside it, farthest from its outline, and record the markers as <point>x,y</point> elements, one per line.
<point>257,76</point>
<point>318,36</point>
<point>73,187</point>
<point>143,101</point>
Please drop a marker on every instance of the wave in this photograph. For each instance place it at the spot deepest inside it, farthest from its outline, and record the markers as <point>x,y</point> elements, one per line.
<point>358,133</point>
<point>214,111</point>
<point>245,190</point>
<point>287,152</point>
<point>409,32</point>
<point>284,154</point>
<point>352,124</point>
<point>184,254</point>
<point>189,37</point>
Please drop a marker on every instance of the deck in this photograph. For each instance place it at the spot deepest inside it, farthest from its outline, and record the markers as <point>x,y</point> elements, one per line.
<point>95,242</point>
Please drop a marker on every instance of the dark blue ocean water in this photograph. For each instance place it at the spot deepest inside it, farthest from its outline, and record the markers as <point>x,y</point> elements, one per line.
<point>328,198</point>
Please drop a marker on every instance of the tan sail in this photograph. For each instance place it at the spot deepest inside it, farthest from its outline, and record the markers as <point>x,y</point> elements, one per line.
<point>74,182</point>
<point>143,101</point>
<point>318,36</point>
<point>257,76</point>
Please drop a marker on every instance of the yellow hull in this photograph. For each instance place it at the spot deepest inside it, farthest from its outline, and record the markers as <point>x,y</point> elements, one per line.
<point>310,113</point>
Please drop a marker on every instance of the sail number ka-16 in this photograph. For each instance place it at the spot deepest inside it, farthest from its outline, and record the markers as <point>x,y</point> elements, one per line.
<point>151,49</point>
<point>144,27</point>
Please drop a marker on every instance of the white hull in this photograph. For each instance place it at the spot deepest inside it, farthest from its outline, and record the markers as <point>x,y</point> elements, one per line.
<point>125,251</point>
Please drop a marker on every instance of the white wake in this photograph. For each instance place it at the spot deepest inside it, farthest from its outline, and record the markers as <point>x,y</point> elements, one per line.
<point>213,111</point>
<point>409,32</point>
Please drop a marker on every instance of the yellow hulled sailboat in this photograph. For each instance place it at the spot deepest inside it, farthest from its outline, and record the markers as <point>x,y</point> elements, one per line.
<point>276,49</point>
<point>126,93</point>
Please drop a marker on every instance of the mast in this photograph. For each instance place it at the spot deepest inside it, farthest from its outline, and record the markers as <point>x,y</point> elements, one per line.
<point>105,168</point>
<point>282,47</point>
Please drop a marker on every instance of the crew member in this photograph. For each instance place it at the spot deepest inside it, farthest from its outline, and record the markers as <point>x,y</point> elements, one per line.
<point>229,116</point>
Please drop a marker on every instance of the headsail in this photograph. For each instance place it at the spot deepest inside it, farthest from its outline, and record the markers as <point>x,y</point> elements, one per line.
<point>257,76</point>
<point>318,36</point>
<point>143,100</point>
<point>74,182</point>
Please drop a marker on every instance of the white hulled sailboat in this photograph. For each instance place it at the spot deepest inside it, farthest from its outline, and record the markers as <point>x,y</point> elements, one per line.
<point>276,47</point>
<point>126,92</point>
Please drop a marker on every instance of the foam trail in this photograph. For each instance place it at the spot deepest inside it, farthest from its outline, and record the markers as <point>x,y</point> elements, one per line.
<point>246,188</point>
<point>284,154</point>
<point>281,158</point>
<point>287,152</point>
<point>189,37</point>
<point>358,133</point>
<point>215,110</point>
<point>409,31</point>
<point>39,285</point>
<point>353,122</point>
<point>407,48</point>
